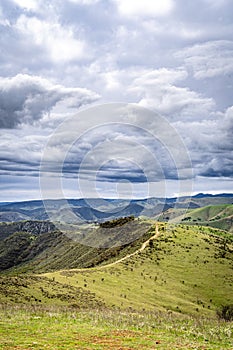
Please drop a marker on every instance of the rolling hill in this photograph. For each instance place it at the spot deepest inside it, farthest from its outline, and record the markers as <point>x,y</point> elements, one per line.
<point>99,210</point>
<point>218,216</point>
<point>186,269</point>
<point>37,246</point>
<point>162,290</point>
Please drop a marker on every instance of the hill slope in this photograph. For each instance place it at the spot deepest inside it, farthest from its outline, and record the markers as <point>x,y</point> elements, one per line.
<point>36,248</point>
<point>219,216</point>
<point>185,269</point>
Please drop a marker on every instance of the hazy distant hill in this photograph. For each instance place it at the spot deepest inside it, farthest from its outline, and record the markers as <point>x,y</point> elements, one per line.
<point>90,210</point>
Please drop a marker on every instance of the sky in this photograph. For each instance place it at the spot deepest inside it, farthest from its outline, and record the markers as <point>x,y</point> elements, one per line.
<point>115,98</point>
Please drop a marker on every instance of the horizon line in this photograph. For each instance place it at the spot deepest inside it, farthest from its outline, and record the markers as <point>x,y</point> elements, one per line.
<point>114,198</point>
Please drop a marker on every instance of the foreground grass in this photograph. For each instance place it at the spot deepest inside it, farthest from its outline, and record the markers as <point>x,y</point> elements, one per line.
<point>58,328</point>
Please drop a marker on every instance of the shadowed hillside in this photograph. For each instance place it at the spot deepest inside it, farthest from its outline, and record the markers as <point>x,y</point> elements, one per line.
<point>36,248</point>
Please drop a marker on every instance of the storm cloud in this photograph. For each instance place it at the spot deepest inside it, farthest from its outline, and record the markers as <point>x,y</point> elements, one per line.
<point>59,58</point>
<point>24,99</point>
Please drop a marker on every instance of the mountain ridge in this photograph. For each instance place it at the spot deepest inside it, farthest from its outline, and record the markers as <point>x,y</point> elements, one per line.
<point>96,209</point>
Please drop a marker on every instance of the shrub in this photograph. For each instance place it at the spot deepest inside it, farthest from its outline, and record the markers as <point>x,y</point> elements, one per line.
<point>117,222</point>
<point>225,312</point>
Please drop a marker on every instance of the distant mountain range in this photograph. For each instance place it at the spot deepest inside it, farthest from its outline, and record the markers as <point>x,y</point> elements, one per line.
<point>99,210</point>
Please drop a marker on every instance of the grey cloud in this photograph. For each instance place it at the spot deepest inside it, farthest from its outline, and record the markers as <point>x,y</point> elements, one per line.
<point>25,99</point>
<point>210,144</point>
<point>219,167</point>
<point>111,152</point>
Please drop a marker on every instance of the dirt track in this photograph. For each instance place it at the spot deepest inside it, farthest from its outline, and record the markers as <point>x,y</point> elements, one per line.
<point>144,245</point>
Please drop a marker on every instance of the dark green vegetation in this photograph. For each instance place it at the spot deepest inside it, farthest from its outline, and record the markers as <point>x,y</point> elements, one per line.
<point>34,252</point>
<point>225,312</point>
<point>117,222</point>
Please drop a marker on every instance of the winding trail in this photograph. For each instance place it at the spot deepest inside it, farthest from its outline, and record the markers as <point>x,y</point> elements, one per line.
<point>144,245</point>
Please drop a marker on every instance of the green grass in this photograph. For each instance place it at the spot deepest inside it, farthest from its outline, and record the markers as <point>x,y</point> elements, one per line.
<point>55,328</point>
<point>218,216</point>
<point>164,297</point>
<point>188,270</point>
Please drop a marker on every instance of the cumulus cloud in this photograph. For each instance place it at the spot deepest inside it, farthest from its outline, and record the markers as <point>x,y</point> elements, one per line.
<point>28,4</point>
<point>24,99</point>
<point>210,144</point>
<point>210,59</point>
<point>84,2</point>
<point>146,8</point>
<point>157,89</point>
<point>58,42</point>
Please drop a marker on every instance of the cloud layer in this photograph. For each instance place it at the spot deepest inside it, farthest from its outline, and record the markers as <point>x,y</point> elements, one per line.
<point>58,58</point>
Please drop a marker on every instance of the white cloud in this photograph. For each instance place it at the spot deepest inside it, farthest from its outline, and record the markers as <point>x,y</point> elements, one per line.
<point>161,76</point>
<point>84,2</point>
<point>147,8</point>
<point>28,4</point>
<point>210,59</point>
<point>3,21</point>
<point>171,29</point>
<point>157,90</point>
<point>58,42</point>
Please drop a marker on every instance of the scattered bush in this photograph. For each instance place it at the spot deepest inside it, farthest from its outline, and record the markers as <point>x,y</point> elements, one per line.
<point>225,312</point>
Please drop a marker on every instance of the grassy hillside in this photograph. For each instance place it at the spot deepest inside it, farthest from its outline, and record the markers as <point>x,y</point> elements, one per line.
<point>33,252</point>
<point>211,213</point>
<point>164,296</point>
<point>218,216</point>
<point>187,269</point>
<point>36,290</point>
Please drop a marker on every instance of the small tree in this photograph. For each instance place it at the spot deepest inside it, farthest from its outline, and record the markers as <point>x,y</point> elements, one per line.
<point>225,312</point>
<point>151,244</point>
